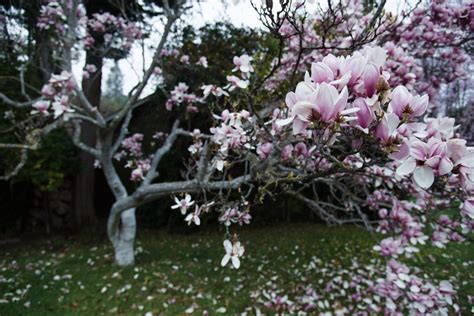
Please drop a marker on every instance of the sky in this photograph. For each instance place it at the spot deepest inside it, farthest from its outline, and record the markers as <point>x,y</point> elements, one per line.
<point>239,12</point>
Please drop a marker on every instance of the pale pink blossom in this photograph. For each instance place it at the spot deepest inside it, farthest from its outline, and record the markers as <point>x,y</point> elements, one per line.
<point>183,204</point>
<point>243,64</point>
<point>405,105</point>
<point>233,253</point>
<point>41,107</point>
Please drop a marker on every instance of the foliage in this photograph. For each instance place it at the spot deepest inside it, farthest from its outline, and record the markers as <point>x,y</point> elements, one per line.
<point>54,161</point>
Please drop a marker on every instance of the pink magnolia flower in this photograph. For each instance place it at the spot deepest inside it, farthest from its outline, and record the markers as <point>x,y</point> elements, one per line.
<point>301,150</point>
<point>61,105</point>
<point>48,90</point>
<point>183,204</point>
<point>389,247</point>
<point>243,64</point>
<point>424,160</point>
<point>236,82</point>
<point>463,159</point>
<point>233,253</point>
<point>365,115</point>
<point>320,72</point>
<point>287,152</point>
<point>323,103</point>
<point>406,105</point>
<point>327,107</point>
<point>137,175</point>
<point>184,59</point>
<point>264,150</point>
<point>214,90</point>
<point>371,77</point>
<point>387,127</point>
<point>41,107</point>
<point>202,62</point>
<point>353,65</point>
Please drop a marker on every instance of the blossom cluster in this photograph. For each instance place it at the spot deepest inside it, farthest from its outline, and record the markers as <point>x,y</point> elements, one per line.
<point>56,94</point>
<point>132,149</point>
<point>117,32</point>
<point>52,17</point>
<point>180,94</point>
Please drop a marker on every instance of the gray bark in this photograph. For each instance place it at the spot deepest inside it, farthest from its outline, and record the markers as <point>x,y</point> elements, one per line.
<point>124,241</point>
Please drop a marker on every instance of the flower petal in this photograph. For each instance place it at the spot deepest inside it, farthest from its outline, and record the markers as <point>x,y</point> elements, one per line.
<point>406,167</point>
<point>225,260</point>
<point>235,262</point>
<point>424,176</point>
<point>228,246</point>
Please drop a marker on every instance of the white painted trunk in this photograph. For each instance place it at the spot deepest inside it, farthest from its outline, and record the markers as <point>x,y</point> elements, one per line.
<point>124,243</point>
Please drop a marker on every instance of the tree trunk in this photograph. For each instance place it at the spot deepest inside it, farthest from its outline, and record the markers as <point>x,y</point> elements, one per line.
<point>84,209</point>
<point>124,240</point>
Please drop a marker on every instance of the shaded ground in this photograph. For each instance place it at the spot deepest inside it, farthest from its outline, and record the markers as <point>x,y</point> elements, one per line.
<point>176,274</point>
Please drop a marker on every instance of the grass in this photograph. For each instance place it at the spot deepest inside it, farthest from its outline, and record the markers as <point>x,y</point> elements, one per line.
<point>175,274</point>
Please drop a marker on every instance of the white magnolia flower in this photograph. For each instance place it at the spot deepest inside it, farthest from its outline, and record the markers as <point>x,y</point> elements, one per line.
<point>233,253</point>
<point>194,217</point>
<point>183,204</point>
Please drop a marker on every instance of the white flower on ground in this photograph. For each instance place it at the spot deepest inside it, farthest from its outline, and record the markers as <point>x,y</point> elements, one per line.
<point>183,204</point>
<point>233,253</point>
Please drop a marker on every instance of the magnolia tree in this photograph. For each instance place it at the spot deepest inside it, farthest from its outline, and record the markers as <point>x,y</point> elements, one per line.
<point>352,140</point>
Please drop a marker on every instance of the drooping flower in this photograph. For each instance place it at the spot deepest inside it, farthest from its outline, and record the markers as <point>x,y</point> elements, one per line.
<point>233,253</point>
<point>243,64</point>
<point>183,204</point>
<point>236,82</point>
<point>41,107</point>
<point>194,216</point>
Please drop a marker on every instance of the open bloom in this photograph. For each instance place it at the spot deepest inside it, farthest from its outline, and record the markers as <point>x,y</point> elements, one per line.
<point>326,105</point>
<point>403,104</point>
<point>424,160</point>
<point>323,103</point>
<point>242,63</point>
<point>41,107</point>
<point>214,90</point>
<point>389,247</point>
<point>233,253</point>
<point>183,204</point>
<point>236,82</point>
<point>194,217</point>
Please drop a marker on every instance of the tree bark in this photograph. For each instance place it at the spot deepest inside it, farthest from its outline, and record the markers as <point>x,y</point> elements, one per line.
<point>84,209</point>
<point>124,240</point>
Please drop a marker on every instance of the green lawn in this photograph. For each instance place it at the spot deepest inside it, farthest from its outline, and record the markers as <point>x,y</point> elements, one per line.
<point>175,274</point>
